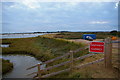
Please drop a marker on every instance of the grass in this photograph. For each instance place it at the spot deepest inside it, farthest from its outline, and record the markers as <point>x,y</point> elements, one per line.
<point>40,47</point>
<point>6,66</point>
<point>97,70</point>
<point>79,35</point>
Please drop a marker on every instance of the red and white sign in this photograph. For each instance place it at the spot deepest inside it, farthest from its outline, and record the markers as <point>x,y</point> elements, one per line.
<point>97,47</point>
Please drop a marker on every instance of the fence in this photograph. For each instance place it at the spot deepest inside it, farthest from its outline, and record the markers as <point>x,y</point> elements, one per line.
<point>107,58</point>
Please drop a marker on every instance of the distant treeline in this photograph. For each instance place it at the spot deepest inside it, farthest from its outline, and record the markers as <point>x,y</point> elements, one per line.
<point>114,31</point>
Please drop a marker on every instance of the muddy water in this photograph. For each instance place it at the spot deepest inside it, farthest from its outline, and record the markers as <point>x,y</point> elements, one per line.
<point>20,63</point>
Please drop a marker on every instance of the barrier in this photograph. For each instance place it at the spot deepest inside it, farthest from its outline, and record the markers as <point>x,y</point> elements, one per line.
<point>107,59</point>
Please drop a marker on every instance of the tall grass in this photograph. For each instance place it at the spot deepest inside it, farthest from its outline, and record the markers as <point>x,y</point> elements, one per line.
<point>41,47</point>
<point>6,66</point>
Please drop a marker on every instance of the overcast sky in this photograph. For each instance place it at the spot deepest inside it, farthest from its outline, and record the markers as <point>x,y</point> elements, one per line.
<point>59,16</point>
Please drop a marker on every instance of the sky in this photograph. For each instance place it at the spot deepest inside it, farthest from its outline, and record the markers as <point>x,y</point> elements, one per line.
<point>59,16</point>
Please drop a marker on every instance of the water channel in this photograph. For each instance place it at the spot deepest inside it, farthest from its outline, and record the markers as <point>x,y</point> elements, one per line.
<point>21,63</point>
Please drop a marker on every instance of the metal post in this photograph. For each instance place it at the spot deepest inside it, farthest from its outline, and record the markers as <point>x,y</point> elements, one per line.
<point>108,53</point>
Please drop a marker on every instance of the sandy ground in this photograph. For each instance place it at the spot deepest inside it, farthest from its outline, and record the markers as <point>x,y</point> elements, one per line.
<point>85,41</point>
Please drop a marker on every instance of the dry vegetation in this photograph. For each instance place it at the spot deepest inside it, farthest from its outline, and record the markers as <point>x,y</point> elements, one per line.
<point>79,35</point>
<point>6,66</point>
<point>40,47</point>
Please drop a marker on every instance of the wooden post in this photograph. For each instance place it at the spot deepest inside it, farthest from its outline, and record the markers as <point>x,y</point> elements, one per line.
<point>71,55</point>
<point>108,53</point>
<point>39,72</point>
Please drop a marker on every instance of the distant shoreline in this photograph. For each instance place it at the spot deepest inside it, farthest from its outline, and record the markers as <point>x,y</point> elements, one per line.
<point>58,32</point>
<point>51,32</point>
<point>25,33</point>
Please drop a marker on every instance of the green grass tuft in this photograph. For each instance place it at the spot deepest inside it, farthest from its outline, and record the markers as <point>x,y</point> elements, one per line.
<point>6,66</point>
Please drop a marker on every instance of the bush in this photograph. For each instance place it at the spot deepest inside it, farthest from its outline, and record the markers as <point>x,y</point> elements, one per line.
<point>6,66</point>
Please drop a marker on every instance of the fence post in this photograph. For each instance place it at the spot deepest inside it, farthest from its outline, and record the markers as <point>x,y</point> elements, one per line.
<point>108,53</point>
<point>39,72</point>
<point>71,56</point>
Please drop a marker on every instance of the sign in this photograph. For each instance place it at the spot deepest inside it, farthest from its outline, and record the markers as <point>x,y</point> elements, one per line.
<point>97,47</point>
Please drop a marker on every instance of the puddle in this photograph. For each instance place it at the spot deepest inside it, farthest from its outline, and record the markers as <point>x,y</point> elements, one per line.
<point>4,45</point>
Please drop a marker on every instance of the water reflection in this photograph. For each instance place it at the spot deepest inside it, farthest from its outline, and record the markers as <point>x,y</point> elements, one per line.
<point>21,63</point>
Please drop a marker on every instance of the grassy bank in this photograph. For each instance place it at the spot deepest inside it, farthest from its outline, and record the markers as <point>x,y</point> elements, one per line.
<point>6,66</point>
<point>79,35</point>
<point>40,47</point>
<point>44,49</point>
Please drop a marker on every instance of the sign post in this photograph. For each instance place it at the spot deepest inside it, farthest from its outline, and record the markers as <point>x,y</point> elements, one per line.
<point>108,53</point>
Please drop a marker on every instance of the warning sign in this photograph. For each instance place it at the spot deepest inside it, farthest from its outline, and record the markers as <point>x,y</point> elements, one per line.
<point>97,47</point>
